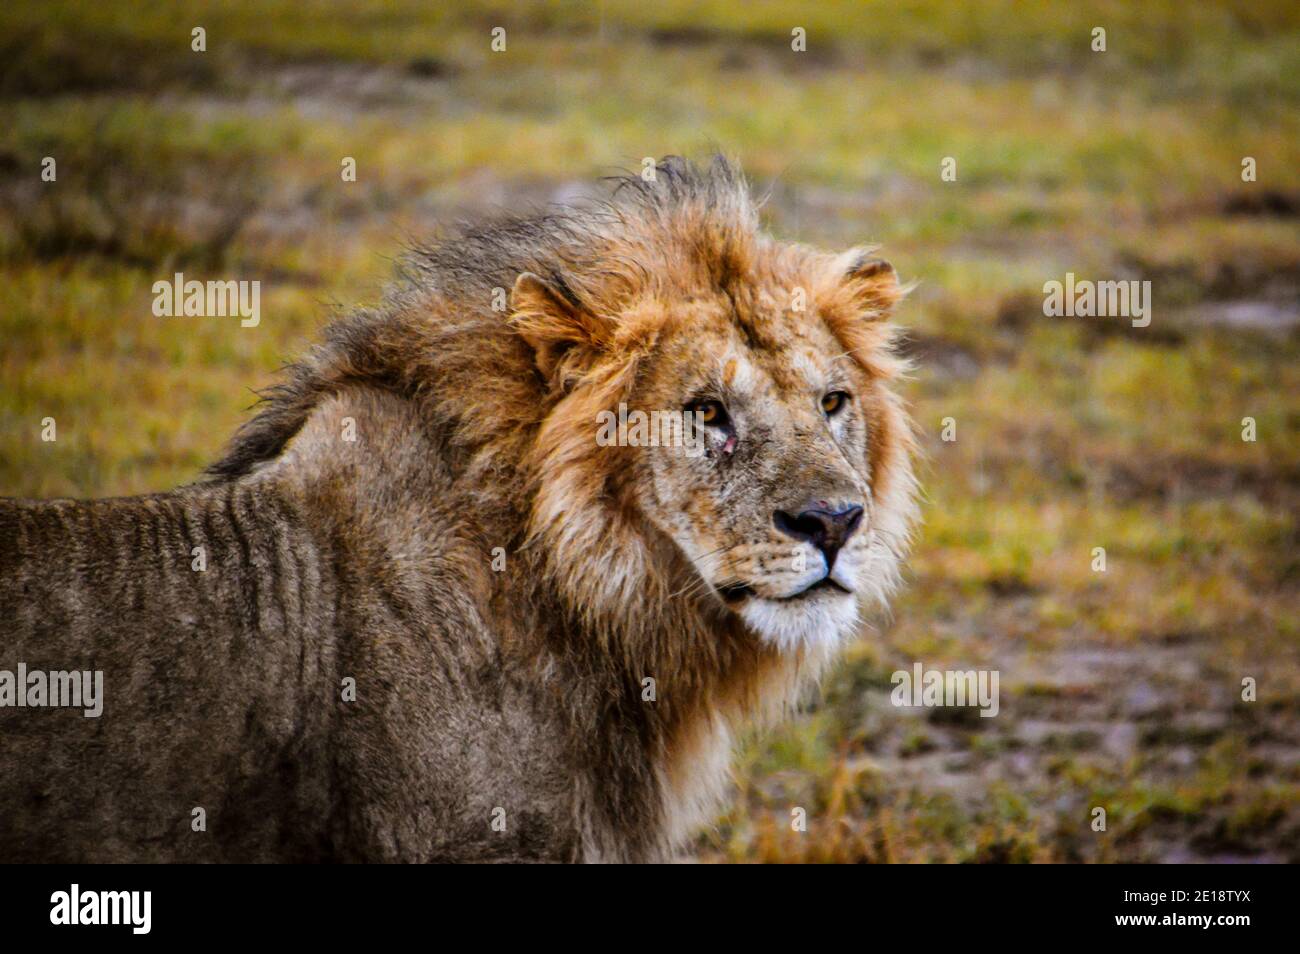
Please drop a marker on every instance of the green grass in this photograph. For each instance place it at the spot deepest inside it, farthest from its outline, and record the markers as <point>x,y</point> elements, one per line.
<point>1120,689</point>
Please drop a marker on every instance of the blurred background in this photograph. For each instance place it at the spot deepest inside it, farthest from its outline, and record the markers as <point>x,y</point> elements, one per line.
<point>1119,689</point>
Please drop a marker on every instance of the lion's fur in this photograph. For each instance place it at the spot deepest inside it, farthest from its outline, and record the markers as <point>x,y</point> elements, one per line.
<point>520,689</point>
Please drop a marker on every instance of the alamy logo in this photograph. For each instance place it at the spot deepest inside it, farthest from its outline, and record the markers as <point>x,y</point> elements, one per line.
<point>651,429</point>
<point>58,688</point>
<point>212,299</point>
<point>103,907</point>
<point>1089,299</point>
<point>937,688</point>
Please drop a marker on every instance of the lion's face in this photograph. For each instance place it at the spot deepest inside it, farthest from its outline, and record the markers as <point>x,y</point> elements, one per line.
<point>794,513</point>
<point>777,513</point>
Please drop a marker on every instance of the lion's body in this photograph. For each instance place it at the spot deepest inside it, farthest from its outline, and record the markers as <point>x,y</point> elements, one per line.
<point>224,687</point>
<point>500,708</point>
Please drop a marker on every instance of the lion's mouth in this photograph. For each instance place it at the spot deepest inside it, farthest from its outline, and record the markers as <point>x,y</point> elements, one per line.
<point>738,592</point>
<point>825,583</point>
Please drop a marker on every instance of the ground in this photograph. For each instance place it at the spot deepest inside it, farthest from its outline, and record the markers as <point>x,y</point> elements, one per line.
<point>1120,689</point>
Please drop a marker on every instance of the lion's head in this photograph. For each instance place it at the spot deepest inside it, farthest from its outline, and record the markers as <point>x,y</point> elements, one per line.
<point>792,510</point>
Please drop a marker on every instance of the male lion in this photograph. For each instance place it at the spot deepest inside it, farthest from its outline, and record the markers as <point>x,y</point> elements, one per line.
<point>472,631</point>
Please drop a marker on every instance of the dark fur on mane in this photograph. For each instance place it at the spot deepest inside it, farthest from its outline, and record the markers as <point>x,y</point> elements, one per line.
<point>702,214</point>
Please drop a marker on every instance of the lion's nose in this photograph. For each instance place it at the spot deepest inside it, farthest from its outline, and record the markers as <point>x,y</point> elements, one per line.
<point>828,530</point>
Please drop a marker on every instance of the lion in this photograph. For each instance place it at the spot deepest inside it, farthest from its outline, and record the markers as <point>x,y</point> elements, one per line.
<point>417,612</point>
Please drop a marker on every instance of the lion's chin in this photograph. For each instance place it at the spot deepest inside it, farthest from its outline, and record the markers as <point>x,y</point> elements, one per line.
<point>820,622</point>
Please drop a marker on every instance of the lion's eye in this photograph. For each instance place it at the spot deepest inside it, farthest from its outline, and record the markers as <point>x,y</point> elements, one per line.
<point>834,402</point>
<point>711,413</point>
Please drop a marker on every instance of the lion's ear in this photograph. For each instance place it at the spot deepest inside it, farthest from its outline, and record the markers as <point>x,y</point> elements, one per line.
<point>555,324</point>
<point>870,282</point>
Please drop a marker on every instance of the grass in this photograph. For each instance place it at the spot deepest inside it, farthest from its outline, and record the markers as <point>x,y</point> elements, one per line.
<point>1120,689</point>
